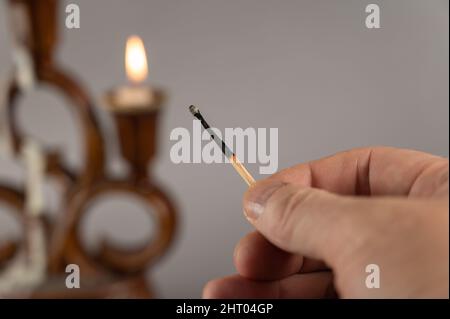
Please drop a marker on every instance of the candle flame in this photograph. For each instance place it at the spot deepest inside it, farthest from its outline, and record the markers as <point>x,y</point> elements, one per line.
<point>136,60</point>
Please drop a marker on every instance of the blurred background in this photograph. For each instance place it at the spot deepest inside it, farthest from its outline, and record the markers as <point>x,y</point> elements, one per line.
<point>309,68</point>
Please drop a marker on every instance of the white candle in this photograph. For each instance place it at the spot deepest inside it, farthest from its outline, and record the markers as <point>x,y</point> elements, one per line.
<point>28,269</point>
<point>35,168</point>
<point>24,74</point>
<point>133,96</point>
<point>136,94</point>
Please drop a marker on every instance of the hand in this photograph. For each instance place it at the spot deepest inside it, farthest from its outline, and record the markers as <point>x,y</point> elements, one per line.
<point>320,224</point>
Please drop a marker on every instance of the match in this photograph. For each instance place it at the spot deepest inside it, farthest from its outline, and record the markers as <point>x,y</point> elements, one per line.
<point>238,166</point>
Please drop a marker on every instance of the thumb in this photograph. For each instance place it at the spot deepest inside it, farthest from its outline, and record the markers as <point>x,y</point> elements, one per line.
<point>305,221</point>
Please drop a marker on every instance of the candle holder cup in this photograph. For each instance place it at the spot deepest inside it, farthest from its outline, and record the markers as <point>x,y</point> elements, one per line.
<point>137,131</point>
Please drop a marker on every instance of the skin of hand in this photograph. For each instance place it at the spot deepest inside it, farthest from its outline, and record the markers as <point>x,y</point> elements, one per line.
<point>318,225</point>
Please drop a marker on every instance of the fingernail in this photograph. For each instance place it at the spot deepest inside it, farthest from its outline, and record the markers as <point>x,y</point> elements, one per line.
<point>257,196</point>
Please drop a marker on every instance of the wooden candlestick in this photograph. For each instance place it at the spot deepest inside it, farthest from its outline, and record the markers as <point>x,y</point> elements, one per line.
<point>114,271</point>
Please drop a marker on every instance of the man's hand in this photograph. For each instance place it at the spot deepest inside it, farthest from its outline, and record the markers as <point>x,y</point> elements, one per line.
<point>320,224</point>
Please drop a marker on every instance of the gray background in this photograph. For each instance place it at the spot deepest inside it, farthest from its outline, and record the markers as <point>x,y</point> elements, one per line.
<point>310,68</point>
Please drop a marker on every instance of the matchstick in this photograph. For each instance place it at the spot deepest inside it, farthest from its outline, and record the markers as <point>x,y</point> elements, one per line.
<point>238,166</point>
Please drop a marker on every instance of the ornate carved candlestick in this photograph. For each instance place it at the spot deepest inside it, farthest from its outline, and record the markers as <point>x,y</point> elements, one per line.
<point>112,271</point>
<point>137,128</point>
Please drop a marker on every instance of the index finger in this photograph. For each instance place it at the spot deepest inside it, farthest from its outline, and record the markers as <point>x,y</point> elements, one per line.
<point>373,171</point>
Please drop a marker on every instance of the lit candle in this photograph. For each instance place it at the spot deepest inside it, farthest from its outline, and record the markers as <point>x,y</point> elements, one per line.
<point>136,95</point>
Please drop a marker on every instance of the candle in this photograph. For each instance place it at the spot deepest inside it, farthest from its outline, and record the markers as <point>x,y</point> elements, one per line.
<point>28,269</point>
<point>135,95</point>
<point>35,165</point>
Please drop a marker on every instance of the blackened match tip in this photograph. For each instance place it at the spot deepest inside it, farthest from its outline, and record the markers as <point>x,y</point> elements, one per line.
<point>194,110</point>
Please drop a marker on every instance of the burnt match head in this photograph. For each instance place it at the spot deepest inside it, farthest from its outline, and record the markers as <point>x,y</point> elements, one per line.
<point>194,110</point>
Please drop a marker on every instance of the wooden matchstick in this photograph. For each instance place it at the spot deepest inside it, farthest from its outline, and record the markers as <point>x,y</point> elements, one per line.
<point>238,166</point>
<point>242,170</point>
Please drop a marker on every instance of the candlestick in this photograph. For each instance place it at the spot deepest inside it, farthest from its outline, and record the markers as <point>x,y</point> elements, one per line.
<point>49,244</point>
